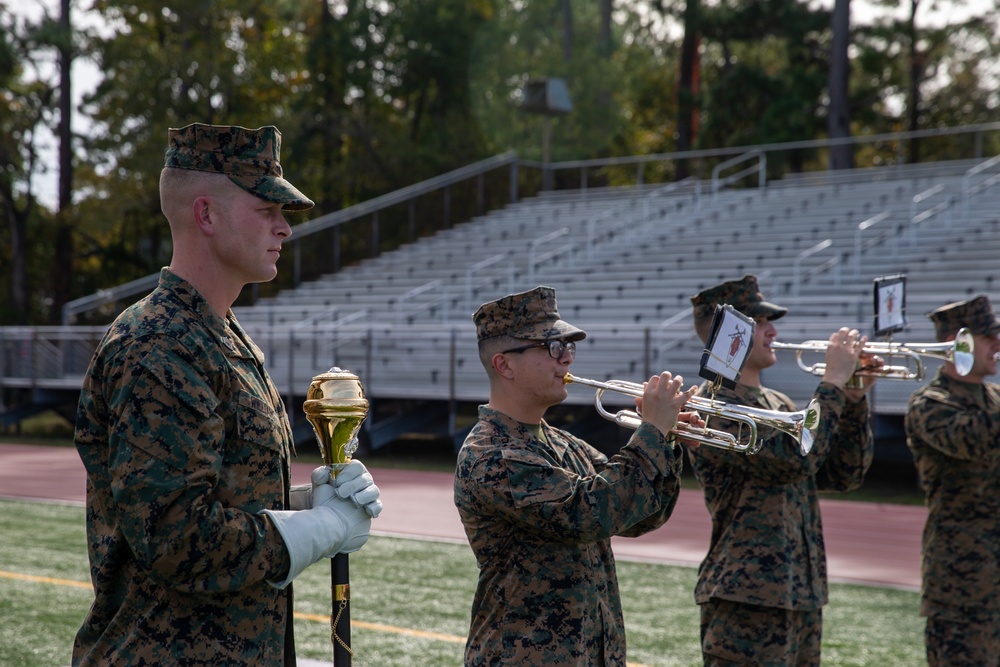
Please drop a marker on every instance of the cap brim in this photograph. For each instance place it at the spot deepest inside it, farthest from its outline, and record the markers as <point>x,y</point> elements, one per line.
<point>551,330</point>
<point>767,310</point>
<point>278,190</point>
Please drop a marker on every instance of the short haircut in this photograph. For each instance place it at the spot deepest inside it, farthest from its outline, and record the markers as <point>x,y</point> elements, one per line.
<point>187,184</point>
<point>488,347</point>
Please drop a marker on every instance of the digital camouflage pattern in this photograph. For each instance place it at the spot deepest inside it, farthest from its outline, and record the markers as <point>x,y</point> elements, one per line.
<point>539,514</point>
<point>975,314</point>
<point>953,432</point>
<point>767,544</point>
<point>973,642</point>
<point>248,157</point>
<point>733,633</point>
<point>530,315</point>
<point>185,441</point>
<point>744,295</point>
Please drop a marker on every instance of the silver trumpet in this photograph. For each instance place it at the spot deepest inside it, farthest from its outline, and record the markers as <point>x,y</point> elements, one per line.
<point>800,425</point>
<point>958,351</point>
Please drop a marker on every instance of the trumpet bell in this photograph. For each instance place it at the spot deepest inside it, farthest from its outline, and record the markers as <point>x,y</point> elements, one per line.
<point>959,352</point>
<point>963,349</point>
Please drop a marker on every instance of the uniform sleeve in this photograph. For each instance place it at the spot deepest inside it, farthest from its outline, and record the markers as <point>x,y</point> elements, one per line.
<point>527,489</point>
<point>841,453</point>
<point>845,446</point>
<point>942,423</point>
<point>166,444</point>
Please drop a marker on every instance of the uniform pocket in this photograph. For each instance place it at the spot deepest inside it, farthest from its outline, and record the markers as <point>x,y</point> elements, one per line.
<point>257,422</point>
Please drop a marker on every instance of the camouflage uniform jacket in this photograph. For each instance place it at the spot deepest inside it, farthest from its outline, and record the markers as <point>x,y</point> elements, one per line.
<point>539,517</point>
<point>767,534</point>
<point>953,431</point>
<point>185,441</point>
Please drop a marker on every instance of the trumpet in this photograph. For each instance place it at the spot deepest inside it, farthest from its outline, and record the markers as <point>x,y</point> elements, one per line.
<point>801,426</point>
<point>958,351</point>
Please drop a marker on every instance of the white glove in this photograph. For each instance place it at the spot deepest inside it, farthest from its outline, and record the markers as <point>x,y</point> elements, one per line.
<point>301,497</point>
<point>333,525</point>
<point>355,482</point>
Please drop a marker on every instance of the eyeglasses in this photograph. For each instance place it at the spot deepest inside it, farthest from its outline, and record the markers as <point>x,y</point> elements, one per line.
<point>557,348</point>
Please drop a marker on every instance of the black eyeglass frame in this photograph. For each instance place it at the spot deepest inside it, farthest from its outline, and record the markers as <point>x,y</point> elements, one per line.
<point>563,347</point>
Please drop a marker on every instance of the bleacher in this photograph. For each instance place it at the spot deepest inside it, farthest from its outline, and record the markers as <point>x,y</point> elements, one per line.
<point>625,262</point>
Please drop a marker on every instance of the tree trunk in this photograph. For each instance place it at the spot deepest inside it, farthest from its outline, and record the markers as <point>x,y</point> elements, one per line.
<point>605,36</point>
<point>62,258</point>
<point>916,74</point>
<point>567,7</point>
<point>839,115</point>
<point>686,91</point>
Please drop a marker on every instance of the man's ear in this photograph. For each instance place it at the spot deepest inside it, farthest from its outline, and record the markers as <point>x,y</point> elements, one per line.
<point>201,209</point>
<point>501,366</point>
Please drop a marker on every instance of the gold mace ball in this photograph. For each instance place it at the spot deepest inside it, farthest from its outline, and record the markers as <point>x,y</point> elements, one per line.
<point>336,406</point>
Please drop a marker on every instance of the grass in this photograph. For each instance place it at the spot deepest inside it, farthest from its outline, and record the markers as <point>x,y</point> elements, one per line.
<point>410,603</point>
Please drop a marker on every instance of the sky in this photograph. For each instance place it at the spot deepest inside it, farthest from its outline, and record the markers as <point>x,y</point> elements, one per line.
<point>86,75</point>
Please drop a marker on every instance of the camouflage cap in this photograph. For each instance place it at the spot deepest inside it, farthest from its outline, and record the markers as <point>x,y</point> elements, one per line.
<point>976,315</point>
<point>743,295</point>
<point>529,315</point>
<point>248,157</point>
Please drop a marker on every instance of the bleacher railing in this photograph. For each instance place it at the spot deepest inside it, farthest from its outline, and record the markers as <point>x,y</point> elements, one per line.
<point>325,255</point>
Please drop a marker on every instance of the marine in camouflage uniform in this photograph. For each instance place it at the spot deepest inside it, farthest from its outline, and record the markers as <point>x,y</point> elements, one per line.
<point>762,586</point>
<point>186,444</point>
<point>953,432</point>
<point>539,507</point>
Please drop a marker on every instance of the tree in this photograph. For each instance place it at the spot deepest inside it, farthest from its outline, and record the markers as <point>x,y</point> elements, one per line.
<point>838,119</point>
<point>914,59</point>
<point>63,253</point>
<point>770,64</point>
<point>687,90</point>
<point>28,100</point>
<point>221,61</point>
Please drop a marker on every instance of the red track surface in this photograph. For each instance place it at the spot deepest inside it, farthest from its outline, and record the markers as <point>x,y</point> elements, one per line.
<point>868,543</point>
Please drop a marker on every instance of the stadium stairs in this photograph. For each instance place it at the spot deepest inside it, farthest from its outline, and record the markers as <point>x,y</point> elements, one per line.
<point>624,263</point>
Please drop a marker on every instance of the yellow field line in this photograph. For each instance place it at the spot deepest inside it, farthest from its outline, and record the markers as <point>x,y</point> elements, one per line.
<point>320,618</point>
<point>46,580</point>
<point>378,627</point>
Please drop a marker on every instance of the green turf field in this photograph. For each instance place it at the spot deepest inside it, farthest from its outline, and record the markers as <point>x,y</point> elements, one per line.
<point>410,603</point>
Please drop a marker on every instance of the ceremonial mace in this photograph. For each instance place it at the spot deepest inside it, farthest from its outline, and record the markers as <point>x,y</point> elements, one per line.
<point>336,406</point>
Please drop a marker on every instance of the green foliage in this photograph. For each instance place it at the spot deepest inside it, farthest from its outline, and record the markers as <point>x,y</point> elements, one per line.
<point>410,603</point>
<point>525,42</point>
<point>765,59</point>
<point>373,96</point>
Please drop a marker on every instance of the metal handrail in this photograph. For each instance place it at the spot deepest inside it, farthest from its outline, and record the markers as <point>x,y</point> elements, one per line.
<point>103,297</point>
<point>533,250</point>
<point>761,170</point>
<point>918,218</point>
<point>406,307</point>
<point>967,182</point>
<point>805,254</point>
<point>510,159</point>
<point>310,227</point>
<point>864,226</point>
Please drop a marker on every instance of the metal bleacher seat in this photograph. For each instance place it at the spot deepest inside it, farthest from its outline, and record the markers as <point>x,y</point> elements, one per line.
<point>625,261</point>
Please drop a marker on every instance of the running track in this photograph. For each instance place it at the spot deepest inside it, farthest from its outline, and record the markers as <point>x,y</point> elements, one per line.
<point>867,543</point>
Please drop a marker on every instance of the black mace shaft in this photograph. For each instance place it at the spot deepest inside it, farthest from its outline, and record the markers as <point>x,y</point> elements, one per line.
<point>340,619</point>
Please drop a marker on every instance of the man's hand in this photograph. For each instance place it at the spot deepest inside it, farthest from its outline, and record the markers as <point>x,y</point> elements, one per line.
<point>354,482</point>
<point>869,363</point>
<point>842,353</point>
<point>662,401</point>
<point>694,421</point>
